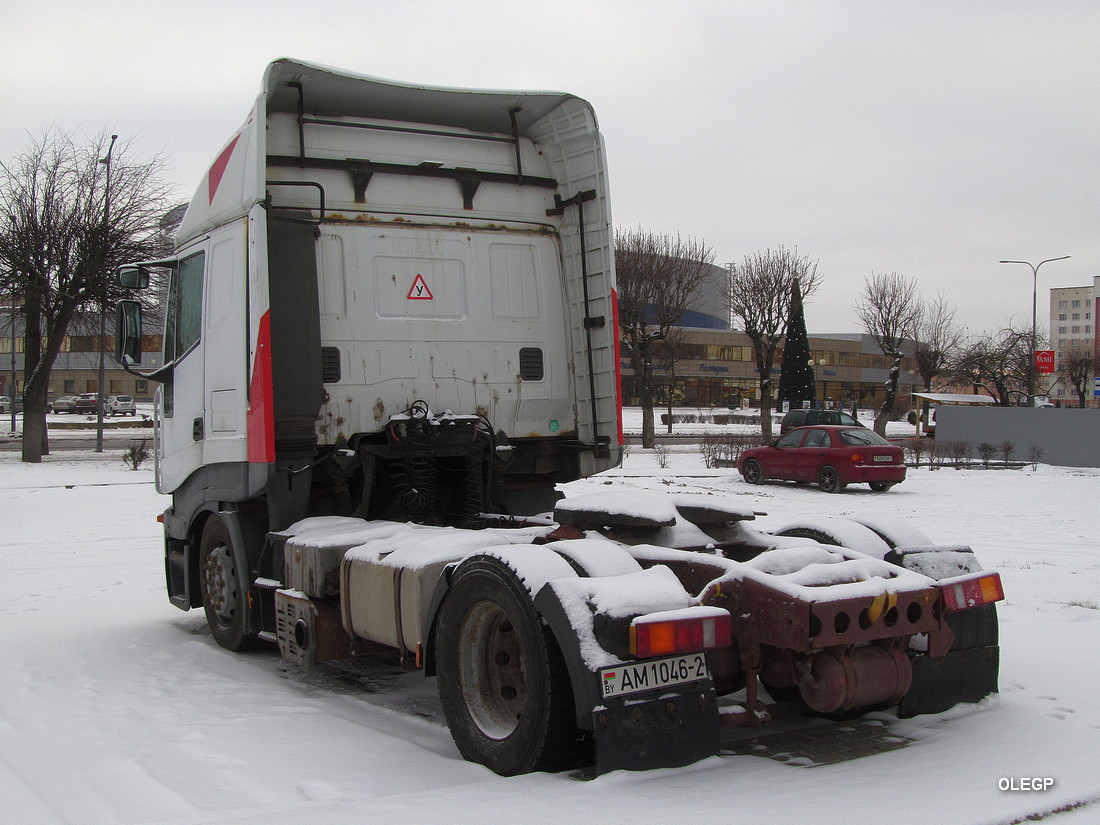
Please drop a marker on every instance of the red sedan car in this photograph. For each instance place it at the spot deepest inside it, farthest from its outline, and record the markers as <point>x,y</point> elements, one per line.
<point>833,457</point>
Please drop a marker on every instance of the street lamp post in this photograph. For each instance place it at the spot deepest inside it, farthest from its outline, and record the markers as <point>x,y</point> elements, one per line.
<point>812,364</point>
<point>14,374</point>
<point>103,308</point>
<point>1034,298</point>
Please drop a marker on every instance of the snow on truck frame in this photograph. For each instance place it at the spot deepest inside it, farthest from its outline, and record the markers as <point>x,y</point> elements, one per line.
<point>390,333</point>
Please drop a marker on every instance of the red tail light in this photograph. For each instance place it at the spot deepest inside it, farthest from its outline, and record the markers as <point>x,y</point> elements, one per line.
<point>971,590</point>
<point>680,631</point>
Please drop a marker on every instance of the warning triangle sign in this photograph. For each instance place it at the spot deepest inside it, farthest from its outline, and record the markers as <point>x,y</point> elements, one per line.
<point>419,290</point>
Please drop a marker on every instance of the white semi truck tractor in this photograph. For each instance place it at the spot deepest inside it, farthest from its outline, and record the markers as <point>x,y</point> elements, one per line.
<point>390,334</point>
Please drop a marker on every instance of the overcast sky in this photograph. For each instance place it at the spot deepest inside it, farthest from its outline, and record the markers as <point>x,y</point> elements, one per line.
<point>930,139</point>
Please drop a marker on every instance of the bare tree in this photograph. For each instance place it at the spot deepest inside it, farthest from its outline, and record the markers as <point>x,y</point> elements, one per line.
<point>659,277</point>
<point>64,226</point>
<point>669,350</point>
<point>759,291</point>
<point>889,306</point>
<point>936,340</point>
<point>1077,370</point>
<point>997,363</point>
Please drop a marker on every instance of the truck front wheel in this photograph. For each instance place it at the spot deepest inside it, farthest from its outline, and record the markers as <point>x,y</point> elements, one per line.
<point>503,683</point>
<point>224,591</point>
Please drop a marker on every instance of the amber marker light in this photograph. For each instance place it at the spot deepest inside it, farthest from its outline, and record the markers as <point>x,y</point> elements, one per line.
<point>655,636</point>
<point>964,592</point>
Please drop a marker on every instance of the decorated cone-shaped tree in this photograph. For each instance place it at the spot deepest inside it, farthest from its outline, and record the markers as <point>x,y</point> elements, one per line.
<point>796,379</point>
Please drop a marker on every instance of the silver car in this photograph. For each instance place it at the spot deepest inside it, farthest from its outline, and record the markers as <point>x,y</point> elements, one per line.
<point>120,405</point>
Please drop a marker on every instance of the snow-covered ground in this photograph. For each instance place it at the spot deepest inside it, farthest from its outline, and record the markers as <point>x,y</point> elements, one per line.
<point>117,708</point>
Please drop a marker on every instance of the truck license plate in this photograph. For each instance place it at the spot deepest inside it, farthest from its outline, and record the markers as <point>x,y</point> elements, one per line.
<point>655,673</point>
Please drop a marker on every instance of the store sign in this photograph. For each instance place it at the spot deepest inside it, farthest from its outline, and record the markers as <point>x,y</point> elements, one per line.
<point>1044,361</point>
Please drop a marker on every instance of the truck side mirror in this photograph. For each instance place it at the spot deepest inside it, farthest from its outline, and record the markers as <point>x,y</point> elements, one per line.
<point>128,332</point>
<point>132,277</point>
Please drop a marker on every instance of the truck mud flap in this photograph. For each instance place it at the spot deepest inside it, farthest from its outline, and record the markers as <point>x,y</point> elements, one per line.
<point>667,728</point>
<point>665,732</point>
<point>961,676</point>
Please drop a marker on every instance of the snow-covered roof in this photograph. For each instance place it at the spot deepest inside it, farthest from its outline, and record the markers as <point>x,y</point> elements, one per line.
<point>955,398</point>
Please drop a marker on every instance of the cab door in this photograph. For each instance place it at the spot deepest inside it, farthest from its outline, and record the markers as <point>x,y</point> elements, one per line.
<point>180,401</point>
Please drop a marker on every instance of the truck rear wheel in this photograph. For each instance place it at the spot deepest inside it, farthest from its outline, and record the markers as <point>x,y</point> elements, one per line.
<point>224,592</point>
<point>503,682</point>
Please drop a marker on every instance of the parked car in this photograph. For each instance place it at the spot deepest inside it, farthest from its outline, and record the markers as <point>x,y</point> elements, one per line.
<point>830,456</point>
<point>64,404</point>
<point>85,402</point>
<point>121,405</point>
<point>6,404</point>
<point>809,418</point>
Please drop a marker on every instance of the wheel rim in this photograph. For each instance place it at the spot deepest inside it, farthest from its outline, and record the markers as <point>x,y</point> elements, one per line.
<point>219,583</point>
<point>829,479</point>
<point>752,472</point>
<point>491,669</point>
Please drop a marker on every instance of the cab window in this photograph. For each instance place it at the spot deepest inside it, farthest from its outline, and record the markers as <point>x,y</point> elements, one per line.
<point>183,317</point>
<point>183,321</point>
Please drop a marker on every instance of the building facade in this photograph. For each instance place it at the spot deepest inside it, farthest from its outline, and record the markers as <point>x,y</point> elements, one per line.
<point>76,369</point>
<point>712,368</point>
<point>708,364</point>
<point>1073,329</point>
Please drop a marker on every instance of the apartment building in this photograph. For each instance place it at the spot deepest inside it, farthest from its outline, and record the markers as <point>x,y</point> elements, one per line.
<point>1073,328</point>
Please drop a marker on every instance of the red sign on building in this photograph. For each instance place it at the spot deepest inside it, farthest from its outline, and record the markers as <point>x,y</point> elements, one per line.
<point>1044,360</point>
